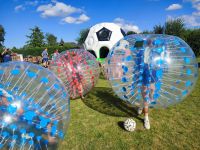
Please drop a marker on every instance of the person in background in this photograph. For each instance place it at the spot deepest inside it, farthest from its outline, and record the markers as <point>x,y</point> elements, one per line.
<point>55,54</point>
<point>77,77</point>
<point>6,55</point>
<point>45,58</point>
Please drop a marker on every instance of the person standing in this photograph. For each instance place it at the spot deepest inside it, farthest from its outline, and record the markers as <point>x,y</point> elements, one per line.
<point>55,54</point>
<point>45,58</point>
<point>6,55</point>
<point>148,84</point>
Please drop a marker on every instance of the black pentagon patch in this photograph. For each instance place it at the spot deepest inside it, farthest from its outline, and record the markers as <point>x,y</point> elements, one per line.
<point>104,34</point>
<point>123,32</point>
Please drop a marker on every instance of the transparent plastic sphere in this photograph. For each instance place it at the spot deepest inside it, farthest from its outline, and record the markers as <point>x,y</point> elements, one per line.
<point>78,69</point>
<point>34,107</point>
<point>104,69</point>
<point>158,69</point>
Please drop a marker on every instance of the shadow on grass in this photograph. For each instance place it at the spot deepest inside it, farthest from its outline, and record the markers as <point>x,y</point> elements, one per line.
<point>103,100</point>
<point>121,125</point>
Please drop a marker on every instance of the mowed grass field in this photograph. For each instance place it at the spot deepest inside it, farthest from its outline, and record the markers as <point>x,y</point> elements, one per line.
<point>97,124</point>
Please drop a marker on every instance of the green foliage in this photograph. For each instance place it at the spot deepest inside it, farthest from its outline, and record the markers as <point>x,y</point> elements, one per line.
<point>51,39</point>
<point>37,51</point>
<point>82,36</point>
<point>2,35</point>
<point>147,32</point>
<point>61,43</point>
<point>192,37</point>
<point>130,32</point>
<point>158,29</point>
<point>36,38</point>
<point>175,27</point>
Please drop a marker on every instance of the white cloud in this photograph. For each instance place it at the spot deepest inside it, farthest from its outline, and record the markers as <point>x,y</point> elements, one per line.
<point>193,1</point>
<point>54,1</point>
<point>60,9</point>
<point>196,6</point>
<point>191,19</point>
<point>174,7</point>
<point>57,9</point>
<point>119,20</point>
<point>26,4</point>
<point>196,13</point>
<point>194,18</point>
<point>32,3</point>
<point>126,26</point>
<point>19,7</point>
<point>82,18</point>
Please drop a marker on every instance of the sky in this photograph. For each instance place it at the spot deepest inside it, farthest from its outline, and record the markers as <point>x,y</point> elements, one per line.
<point>65,18</point>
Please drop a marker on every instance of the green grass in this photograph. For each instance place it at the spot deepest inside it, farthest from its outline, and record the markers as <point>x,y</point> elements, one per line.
<point>96,123</point>
<point>198,59</point>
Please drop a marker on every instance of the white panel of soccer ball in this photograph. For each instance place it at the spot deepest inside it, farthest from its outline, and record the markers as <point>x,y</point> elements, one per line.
<point>92,42</point>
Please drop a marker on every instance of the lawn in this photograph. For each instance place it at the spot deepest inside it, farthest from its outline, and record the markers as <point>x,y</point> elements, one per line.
<point>96,123</point>
<point>198,59</point>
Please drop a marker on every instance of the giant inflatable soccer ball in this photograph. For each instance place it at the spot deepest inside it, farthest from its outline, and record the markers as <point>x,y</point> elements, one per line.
<point>102,37</point>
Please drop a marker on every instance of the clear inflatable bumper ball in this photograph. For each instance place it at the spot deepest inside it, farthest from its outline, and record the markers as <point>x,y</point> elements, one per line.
<point>78,69</point>
<point>34,107</point>
<point>158,69</point>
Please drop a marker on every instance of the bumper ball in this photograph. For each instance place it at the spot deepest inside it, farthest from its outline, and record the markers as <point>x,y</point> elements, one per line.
<point>158,69</point>
<point>78,69</point>
<point>104,69</point>
<point>34,107</point>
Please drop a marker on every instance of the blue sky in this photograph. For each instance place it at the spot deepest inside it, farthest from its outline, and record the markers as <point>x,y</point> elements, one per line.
<point>65,18</point>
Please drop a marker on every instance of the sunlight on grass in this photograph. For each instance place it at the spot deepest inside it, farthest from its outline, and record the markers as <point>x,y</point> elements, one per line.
<point>96,123</point>
<point>198,59</point>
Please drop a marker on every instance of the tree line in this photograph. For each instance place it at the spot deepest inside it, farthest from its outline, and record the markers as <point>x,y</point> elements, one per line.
<point>37,42</point>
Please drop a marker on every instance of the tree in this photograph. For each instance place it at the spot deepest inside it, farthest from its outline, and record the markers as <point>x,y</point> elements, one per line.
<point>51,39</point>
<point>2,35</point>
<point>158,29</point>
<point>191,36</point>
<point>14,48</point>
<point>61,42</point>
<point>82,36</point>
<point>175,27</point>
<point>36,38</point>
<point>146,32</point>
<point>130,32</point>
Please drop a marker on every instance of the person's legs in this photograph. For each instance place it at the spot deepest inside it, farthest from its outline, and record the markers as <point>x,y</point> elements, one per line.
<point>146,116</point>
<point>145,94</point>
<point>81,91</point>
<point>74,90</point>
<point>152,90</point>
<point>4,59</point>
<point>51,139</point>
<point>45,62</point>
